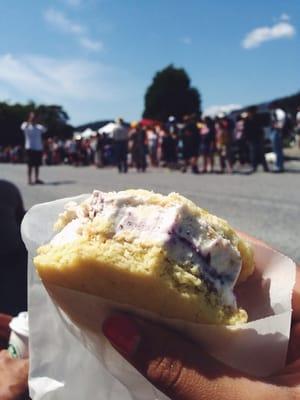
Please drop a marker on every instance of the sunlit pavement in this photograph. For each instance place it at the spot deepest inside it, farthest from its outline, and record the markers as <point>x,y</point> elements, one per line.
<point>264,205</point>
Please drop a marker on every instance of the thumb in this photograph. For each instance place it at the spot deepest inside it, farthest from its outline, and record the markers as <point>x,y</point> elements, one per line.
<point>177,367</point>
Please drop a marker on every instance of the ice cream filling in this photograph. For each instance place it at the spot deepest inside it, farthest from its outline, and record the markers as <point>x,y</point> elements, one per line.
<point>189,241</point>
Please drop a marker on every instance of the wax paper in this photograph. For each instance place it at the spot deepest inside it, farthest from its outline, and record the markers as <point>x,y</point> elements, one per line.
<point>71,359</point>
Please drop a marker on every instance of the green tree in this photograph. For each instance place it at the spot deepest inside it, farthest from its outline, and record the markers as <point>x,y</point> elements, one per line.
<point>12,115</point>
<point>170,93</point>
<point>55,119</point>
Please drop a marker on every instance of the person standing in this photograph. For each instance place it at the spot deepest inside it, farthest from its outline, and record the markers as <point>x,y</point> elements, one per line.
<point>298,126</point>
<point>152,139</point>
<point>207,132</point>
<point>138,150</point>
<point>239,139</point>
<point>190,144</point>
<point>34,146</point>
<point>278,120</point>
<point>120,137</point>
<point>223,143</point>
<point>99,150</point>
<point>169,149</point>
<point>254,135</point>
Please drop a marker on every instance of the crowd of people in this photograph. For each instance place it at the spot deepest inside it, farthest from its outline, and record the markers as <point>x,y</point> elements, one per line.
<point>196,142</point>
<point>193,144</point>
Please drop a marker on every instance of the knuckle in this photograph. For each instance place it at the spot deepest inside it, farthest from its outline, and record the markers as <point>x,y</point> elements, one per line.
<point>165,372</point>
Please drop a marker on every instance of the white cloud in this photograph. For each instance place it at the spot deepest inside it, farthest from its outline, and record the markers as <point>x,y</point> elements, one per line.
<point>49,78</point>
<point>60,21</point>
<point>64,24</point>
<point>284,17</point>
<point>263,34</point>
<point>81,86</point>
<point>186,40</point>
<point>213,111</point>
<point>89,44</point>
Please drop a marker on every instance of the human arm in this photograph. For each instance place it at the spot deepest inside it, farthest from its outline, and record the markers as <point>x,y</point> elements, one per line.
<point>13,372</point>
<point>24,125</point>
<point>13,377</point>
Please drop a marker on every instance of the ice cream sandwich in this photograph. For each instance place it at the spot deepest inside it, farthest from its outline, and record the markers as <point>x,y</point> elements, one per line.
<point>157,253</point>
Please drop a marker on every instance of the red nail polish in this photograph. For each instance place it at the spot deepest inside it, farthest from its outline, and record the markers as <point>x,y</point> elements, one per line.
<point>123,333</point>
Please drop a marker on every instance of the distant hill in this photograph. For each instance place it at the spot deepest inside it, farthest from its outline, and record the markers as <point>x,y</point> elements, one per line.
<point>287,103</point>
<point>92,125</point>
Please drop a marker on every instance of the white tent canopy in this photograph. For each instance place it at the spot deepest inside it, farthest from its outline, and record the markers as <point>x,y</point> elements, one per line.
<point>87,133</point>
<point>77,135</point>
<point>108,128</point>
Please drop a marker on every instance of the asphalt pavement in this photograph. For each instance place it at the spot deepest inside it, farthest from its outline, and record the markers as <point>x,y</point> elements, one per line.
<point>265,205</point>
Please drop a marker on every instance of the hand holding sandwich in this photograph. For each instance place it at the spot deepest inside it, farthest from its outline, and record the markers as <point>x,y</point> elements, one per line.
<point>184,372</point>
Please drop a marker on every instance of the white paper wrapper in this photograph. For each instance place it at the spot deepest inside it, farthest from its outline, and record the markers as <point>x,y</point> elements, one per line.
<point>61,367</point>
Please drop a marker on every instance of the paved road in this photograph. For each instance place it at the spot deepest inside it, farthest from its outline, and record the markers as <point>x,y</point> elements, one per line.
<point>264,205</point>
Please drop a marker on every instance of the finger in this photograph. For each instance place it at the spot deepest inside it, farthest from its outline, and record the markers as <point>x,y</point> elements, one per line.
<point>289,377</point>
<point>294,343</point>
<point>14,374</point>
<point>296,296</point>
<point>176,366</point>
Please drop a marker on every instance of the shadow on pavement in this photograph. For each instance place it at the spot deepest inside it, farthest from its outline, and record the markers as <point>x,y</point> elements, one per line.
<point>292,171</point>
<point>292,158</point>
<point>57,183</point>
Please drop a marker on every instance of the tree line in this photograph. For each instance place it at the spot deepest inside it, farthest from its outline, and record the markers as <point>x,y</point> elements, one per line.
<point>169,94</point>
<point>54,117</point>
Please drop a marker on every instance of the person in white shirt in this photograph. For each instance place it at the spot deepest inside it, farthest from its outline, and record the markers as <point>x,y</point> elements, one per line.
<point>278,120</point>
<point>120,136</point>
<point>34,146</point>
<point>298,116</point>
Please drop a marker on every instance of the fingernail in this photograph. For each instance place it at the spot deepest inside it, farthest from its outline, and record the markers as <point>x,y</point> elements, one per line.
<point>123,333</point>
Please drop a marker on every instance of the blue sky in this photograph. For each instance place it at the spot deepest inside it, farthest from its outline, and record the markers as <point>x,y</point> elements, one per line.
<point>96,57</point>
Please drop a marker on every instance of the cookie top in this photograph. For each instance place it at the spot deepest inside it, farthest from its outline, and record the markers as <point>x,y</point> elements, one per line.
<point>191,236</point>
